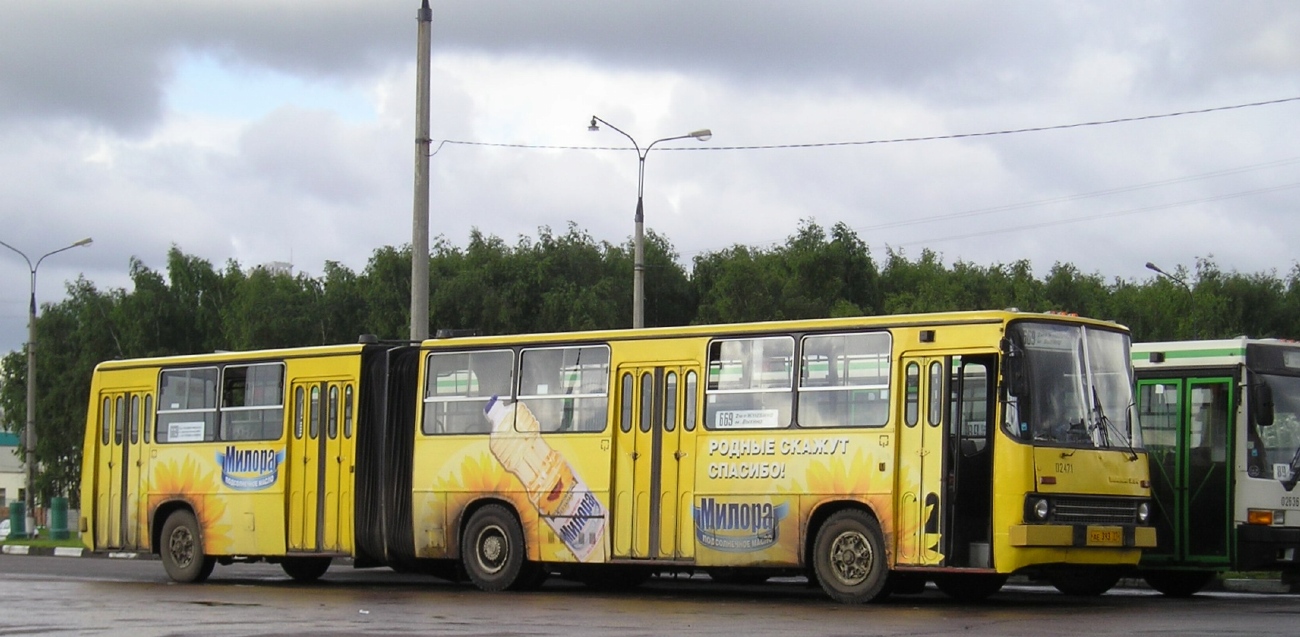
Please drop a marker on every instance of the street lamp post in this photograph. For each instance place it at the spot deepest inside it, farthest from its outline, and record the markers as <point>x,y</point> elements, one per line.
<point>1191,298</point>
<point>29,432</point>
<point>638,242</point>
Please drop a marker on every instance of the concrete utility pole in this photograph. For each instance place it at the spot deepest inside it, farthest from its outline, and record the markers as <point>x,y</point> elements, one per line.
<point>29,432</point>
<point>420,224</point>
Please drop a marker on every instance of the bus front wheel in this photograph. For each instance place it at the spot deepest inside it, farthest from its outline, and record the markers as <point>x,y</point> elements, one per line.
<point>181,549</point>
<point>1084,583</point>
<point>1178,583</point>
<point>492,550</point>
<point>849,558</point>
<point>969,587</point>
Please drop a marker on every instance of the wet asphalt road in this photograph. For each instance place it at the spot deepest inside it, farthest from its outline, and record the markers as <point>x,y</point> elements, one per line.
<point>86,596</point>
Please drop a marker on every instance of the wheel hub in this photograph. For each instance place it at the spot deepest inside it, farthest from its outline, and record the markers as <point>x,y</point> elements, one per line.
<point>851,558</point>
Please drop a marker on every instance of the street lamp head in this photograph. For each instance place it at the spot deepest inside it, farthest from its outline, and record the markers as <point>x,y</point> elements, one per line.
<point>595,128</point>
<point>1151,266</point>
<point>84,242</point>
<point>703,134</point>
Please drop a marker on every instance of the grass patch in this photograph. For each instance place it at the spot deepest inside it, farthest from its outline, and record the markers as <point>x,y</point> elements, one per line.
<point>1251,575</point>
<point>44,541</point>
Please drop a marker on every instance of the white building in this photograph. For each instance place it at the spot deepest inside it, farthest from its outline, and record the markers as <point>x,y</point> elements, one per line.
<point>12,479</point>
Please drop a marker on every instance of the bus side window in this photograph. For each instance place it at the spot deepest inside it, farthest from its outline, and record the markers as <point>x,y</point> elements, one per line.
<point>187,405</point>
<point>106,420</point>
<point>252,402</point>
<point>750,383</point>
<point>458,386</point>
<point>148,417</point>
<point>844,380</point>
<point>566,388</point>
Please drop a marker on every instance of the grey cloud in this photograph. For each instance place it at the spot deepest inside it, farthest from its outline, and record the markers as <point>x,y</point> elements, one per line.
<point>107,62</point>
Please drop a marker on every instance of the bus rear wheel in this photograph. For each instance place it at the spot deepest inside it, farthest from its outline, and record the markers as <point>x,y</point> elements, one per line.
<point>849,558</point>
<point>1178,583</point>
<point>305,569</point>
<point>181,549</point>
<point>492,550</point>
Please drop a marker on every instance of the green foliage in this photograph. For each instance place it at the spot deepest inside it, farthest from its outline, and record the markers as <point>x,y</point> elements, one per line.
<point>568,281</point>
<point>813,275</point>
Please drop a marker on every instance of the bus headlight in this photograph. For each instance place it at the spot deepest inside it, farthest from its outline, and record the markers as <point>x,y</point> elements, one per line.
<point>1144,512</point>
<point>1041,509</point>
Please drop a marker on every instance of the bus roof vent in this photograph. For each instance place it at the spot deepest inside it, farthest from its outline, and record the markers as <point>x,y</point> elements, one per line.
<point>367,339</point>
<point>455,333</point>
<point>1156,357</point>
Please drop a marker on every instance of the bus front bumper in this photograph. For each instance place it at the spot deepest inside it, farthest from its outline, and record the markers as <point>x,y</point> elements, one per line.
<point>1080,535</point>
<point>1267,548</point>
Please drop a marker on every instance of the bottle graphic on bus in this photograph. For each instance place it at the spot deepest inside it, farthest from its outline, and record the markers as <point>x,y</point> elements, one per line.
<point>561,497</point>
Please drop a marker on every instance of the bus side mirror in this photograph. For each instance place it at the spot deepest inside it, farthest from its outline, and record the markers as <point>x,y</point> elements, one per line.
<point>1261,403</point>
<point>1014,371</point>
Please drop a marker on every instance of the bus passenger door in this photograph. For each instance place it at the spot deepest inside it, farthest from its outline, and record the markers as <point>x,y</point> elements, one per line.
<point>336,466</point>
<point>133,461</point>
<point>650,454</point>
<point>346,460</point>
<point>921,462</point>
<point>117,473</point>
<point>969,497</point>
<point>304,465</point>
<point>1185,429</point>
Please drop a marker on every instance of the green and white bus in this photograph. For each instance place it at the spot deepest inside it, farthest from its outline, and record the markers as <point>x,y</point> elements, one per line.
<point>1221,422</point>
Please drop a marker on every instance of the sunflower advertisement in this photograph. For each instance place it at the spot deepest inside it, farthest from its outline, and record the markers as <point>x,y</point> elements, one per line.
<point>753,493</point>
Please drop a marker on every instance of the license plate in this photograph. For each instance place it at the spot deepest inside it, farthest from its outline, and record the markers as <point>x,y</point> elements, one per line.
<point>1105,537</point>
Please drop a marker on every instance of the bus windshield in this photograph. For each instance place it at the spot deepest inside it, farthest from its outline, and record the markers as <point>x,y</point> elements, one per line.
<point>1077,387</point>
<point>1275,449</point>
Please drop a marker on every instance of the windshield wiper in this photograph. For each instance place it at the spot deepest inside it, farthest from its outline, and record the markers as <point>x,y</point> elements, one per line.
<point>1289,483</point>
<point>1104,426</point>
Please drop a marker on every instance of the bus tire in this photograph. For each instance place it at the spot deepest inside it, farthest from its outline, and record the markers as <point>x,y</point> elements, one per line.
<point>492,550</point>
<point>969,587</point>
<point>1084,582</point>
<point>181,549</point>
<point>1178,583</point>
<point>849,558</point>
<point>305,569</point>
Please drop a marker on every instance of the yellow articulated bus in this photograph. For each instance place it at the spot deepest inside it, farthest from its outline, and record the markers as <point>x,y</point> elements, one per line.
<point>861,452</point>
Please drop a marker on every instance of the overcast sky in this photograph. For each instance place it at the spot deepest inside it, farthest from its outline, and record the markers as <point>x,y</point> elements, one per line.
<point>262,130</point>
